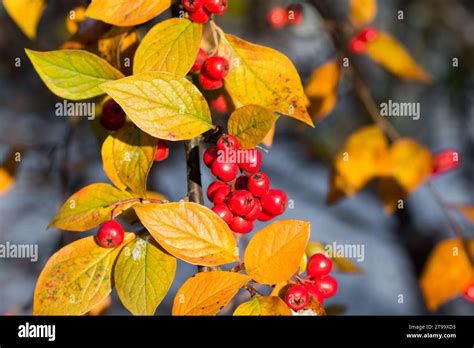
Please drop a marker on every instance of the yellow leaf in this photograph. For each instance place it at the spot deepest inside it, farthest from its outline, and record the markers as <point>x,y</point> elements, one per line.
<point>263,76</point>
<point>89,207</point>
<point>161,104</point>
<point>73,74</point>
<point>76,278</point>
<point>8,171</point>
<point>101,308</point>
<point>118,44</point>
<point>274,253</point>
<point>340,264</point>
<point>467,211</point>
<point>206,293</point>
<point>127,157</point>
<point>170,46</point>
<point>250,124</point>
<point>126,12</point>
<point>268,140</point>
<point>143,275</point>
<point>389,52</point>
<point>190,231</point>
<point>26,14</point>
<point>447,273</point>
<point>263,305</point>
<point>362,11</point>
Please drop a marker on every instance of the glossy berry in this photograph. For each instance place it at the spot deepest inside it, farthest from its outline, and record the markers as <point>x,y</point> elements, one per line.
<point>297,297</point>
<point>210,155</point>
<point>220,104</point>
<point>250,160</point>
<point>216,68</point>
<point>368,34</point>
<point>192,5</point>
<point>113,117</point>
<point>275,202</point>
<point>318,265</point>
<point>241,225</point>
<point>227,142</point>
<point>295,14</point>
<point>162,151</point>
<point>217,6</point>
<point>445,161</point>
<point>264,216</point>
<point>110,234</point>
<point>326,285</point>
<point>201,15</point>
<point>199,62</point>
<point>223,212</point>
<point>469,293</point>
<point>213,187</point>
<point>208,83</point>
<point>221,195</point>
<point>357,45</point>
<point>254,214</point>
<point>242,182</point>
<point>224,171</point>
<point>259,184</point>
<point>315,293</point>
<point>277,17</point>
<point>241,202</point>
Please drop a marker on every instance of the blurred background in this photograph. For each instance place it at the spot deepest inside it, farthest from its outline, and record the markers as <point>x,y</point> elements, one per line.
<point>61,155</point>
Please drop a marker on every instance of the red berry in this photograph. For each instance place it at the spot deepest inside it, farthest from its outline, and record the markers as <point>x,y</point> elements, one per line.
<point>162,151</point>
<point>224,171</point>
<point>326,285</point>
<point>368,34</point>
<point>275,202</point>
<point>318,265</point>
<point>210,156</point>
<point>213,187</point>
<point>264,216</point>
<point>242,182</point>
<point>295,14</point>
<point>250,160</point>
<point>297,297</point>
<point>259,184</point>
<point>113,117</point>
<point>208,83</point>
<point>277,17</point>
<point>254,214</point>
<point>315,293</point>
<point>445,161</point>
<point>110,234</point>
<point>216,68</point>
<point>220,104</point>
<point>241,202</point>
<point>217,6</point>
<point>201,15</point>
<point>223,212</point>
<point>357,46</point>
<point>192,5</point>
<point>227,142</point>
<point>221,195</point>
<point>200,59</point>
<point>241,225</point>
<point>469,293</point>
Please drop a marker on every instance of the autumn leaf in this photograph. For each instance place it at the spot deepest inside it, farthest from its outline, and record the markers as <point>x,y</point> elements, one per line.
<point>161,104</point>
<point>118,44</point>
<point>340,263</point>
<point>26,14</point>
<point>263,305</point>
<point>190,231</point>
<point>127,157</point>
<point>89,207</point>
<point>206,293</point>
<point>274,253</point>
<point>143,275</point>
<point>76,278</point>
<point>100,308</point>
<point>263,76</point>
<point>170,46</point>
<point>73,74</point>
<point>250,124</point>
<point>126,12</point>
<point>467,211</point>
<point>390,53</point>
<point>447,273</point>
<point>268,140</point>
<point>8,170</point>
<point>362,11</point>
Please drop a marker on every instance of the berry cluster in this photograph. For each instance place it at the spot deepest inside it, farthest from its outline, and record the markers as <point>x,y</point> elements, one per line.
<point>200,11</point>
<point>110,234</point>
<point>445,161</point>
<point>318,284</point>
<point>212,70</point>
<point>240,201</point>
<point>357,45</point>
<point>278,17</point>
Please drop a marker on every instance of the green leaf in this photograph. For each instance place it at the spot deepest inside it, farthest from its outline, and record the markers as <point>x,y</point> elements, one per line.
<point>89,207</point>
<point>143,275</point>
<point>73,74</point>
<point>170,46</point>
<point>263,305</point>
<point>250,124</point>
<point>161,104</point>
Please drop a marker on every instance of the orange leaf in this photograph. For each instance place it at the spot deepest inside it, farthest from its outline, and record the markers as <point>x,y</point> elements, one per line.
<point>362,11</point>
<point>8,170</point>
<point>26,14</point>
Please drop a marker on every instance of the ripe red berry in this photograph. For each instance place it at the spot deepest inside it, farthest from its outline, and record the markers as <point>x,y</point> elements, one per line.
<point>326,285</point>
<point>368,34</point>
<point>113,117</point>
<point>250,160</point>
<point>275,202</point>
<point>277,17</point>
<point>224,171</point>
<point>318,265</point>
<point>264,216</point>
<point>357,46</point>
<point>220,104</point>
<point>221,195</point>
<point>110,234</point>
<point>469,293</point>
<point>162,151</point>
<point>223,212</point>
<point>315,293</point>
<point>192,5</point>
<point>227,142</point>
<point>259,184</point>
<point>445,161</point>
<point>297,297</point>
<point>208,83</point>
<point>200,59</point>
<point>210,156</point>
<point>216,68</point>
<point>201,15</point>
<point>295,14</point>
<point>217,6</point>
<point>254,214</point>
<point>241,202</point>
<point>213,187</point>
<point>241,225</point>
